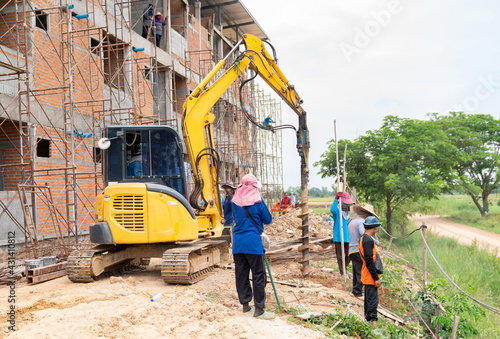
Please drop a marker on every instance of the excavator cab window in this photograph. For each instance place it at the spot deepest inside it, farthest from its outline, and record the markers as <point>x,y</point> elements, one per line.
<point>149,154</point>
<point>135,158</point>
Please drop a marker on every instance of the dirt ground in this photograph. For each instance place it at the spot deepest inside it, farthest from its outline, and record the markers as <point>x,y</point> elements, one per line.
<point>463,234</point>
<point>120,306</point>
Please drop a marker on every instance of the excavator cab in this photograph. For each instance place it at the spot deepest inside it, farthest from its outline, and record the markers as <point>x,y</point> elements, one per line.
<point>144,213</point>
<point>145,199</point>
<point>146,154</point>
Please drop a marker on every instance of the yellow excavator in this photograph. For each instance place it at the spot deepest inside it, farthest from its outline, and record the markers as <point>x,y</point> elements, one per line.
<point>144,211</point>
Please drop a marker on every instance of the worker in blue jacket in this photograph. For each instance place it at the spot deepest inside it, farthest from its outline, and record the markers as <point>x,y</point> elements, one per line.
<point>250,214</point>
<point>345,198</point>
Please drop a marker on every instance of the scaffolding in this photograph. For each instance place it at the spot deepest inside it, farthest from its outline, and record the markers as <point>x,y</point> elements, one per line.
<point>69,70</point>
<point>242,146</point>
<point>269,150</point>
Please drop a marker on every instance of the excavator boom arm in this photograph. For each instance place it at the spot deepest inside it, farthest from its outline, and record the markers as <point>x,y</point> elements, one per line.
<point>197,119</point>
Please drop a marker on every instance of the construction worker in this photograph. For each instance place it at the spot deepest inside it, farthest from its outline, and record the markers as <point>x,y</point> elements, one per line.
<point>267,122</point>
<point>356,231</point>
<point>147,20</point>
<point>285,201</point>
<point>159,23</point>
<point>250,214</point>
<point>346,217</point>
<point>369,276</point>
<point>134,167</point>
<point>229,189</point>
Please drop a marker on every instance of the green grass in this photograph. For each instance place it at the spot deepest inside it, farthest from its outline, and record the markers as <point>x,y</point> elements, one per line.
<point>320,210</point>
<point>474,270</point>
<point>329,200</point>
<point>461,209</point>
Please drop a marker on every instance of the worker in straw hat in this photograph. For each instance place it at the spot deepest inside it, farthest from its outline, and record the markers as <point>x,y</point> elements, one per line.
<point>356,231</point>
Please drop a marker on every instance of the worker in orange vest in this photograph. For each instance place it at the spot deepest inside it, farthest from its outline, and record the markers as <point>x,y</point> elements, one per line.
<point>369,275</point>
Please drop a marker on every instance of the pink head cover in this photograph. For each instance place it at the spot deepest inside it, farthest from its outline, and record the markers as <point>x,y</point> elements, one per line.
<point>247,193</point>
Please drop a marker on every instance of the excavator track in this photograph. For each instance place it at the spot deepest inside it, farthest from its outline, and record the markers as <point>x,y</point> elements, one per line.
<point>176,264</point>
<point>79,265</point>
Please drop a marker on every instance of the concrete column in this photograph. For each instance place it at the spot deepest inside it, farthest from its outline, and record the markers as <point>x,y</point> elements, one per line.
<point>197,10</point>
<point>168,36</point>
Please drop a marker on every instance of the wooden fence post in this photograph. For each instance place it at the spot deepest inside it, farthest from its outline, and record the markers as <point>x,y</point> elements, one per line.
<point>389,245</point>
<point>455,327</point>
<point>424,256</point>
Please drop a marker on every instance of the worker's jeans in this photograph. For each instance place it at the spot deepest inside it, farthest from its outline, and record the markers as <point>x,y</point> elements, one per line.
<point>371,303</point>
<point>338,253</point>
<point>243,263</point>
<point>145,31</point>
<point>357,264</point>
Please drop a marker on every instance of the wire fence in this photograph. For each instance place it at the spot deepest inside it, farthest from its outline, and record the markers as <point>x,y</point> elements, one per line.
<point>412,305</point>
<point>488,307</point>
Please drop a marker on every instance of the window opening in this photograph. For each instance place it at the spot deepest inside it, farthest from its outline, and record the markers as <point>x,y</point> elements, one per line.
<point>41,20</point>
<point>147,73</point>
<point>43,148</point>
<point>94,46</point>
<point>97,155</point>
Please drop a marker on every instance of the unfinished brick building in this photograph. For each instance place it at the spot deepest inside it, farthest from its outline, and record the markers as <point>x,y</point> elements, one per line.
<point>68,69</point>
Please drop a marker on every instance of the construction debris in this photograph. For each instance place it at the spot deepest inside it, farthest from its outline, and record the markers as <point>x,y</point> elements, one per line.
<point>309,315</point>
<point>6,275</point>
<point>286,237</point>
<point>288,227</point>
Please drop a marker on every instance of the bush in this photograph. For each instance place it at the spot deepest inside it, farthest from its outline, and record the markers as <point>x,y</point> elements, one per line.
<point>455,304</point>
<point>355,327</point>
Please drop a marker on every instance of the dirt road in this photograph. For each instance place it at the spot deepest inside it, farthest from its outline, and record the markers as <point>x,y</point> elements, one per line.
<point>462,233</point>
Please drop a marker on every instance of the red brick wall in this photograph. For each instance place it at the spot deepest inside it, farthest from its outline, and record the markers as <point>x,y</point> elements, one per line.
<point>89,85</point>
<point>9,134</point>
<point>180,94</point>
<point>177,15</point>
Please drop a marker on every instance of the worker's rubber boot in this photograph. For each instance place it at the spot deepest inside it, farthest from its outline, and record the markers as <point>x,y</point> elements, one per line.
<point>247,310</point>
<point>261,314</point>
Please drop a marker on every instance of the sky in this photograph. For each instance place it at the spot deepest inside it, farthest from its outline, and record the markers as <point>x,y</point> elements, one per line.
<point>357,61</point>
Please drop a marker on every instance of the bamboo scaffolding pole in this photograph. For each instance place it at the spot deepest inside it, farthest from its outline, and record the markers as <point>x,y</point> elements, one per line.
<point>340,189</point>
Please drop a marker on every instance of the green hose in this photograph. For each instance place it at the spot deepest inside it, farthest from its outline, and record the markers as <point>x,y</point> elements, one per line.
<point>272,282</point>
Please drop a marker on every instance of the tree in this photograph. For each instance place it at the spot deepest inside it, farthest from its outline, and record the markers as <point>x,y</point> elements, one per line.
<point>325,192</point>
<point>477,141</point>
<point>294,189</point>
<point>315,192</point>
<point>404,160</point>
